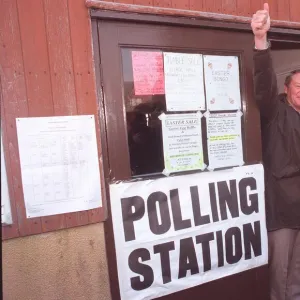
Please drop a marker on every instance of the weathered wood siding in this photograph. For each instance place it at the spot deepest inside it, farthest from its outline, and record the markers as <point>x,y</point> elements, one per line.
<point>288,10</point>
<point>47,69</point>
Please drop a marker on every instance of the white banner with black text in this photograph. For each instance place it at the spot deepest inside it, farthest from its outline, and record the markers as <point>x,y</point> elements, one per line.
<point>179,232</point>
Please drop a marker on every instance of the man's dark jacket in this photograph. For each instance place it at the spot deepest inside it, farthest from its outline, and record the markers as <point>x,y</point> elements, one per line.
<point>281,147</point>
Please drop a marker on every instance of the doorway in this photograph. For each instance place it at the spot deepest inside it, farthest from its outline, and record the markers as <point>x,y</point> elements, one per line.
<point>286,58</point>
<point>116,41</point>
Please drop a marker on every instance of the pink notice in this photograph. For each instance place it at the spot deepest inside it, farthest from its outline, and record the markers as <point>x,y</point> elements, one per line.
<point>148,73</point>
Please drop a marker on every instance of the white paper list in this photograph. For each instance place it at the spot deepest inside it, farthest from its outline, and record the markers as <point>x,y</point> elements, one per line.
<point>59,164</point>
<point>224,140</point>
<point>6,217</point>
<point>222,82</point>
<point>184,85</point>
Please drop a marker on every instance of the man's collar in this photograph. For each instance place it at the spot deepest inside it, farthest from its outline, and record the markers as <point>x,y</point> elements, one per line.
<point>283,98</point>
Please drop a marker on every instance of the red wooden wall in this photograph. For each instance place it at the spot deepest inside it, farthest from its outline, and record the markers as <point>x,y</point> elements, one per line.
<point>288,10</point>
<point>47,69</point>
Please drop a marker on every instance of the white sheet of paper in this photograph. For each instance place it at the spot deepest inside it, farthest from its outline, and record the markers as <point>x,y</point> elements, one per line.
<point>224,140</point>
<point>182,142</point>
<point>222,82</point>
<point>6,217</point>
<point>59,164</point>
<point>184,85</point>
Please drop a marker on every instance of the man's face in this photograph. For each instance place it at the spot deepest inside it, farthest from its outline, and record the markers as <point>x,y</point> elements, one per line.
<point>293,92</point>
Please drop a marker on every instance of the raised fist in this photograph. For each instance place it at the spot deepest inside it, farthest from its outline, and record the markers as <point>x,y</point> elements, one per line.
<point>261,22</point>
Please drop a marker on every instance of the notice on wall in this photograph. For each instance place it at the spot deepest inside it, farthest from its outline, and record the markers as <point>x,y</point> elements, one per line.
<point>224,140</point>
<point>222,82</point>
<point>59,164</point>
<point>184,85</point>
<point>179,232</point>
<point>182,142</point>
<point>6,217</point>
<point>148,73</point>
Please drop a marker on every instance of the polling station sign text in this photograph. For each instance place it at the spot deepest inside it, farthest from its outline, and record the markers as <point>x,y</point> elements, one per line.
<point>175,233</point>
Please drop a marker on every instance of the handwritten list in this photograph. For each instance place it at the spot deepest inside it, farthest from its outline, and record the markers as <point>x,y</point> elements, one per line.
<point>148,73</point>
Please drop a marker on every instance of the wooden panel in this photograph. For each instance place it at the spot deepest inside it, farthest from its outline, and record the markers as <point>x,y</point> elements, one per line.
<point>256,5</point>
<point>8,231</point>
<point>62,78</point>
<point>212,6</point>
<point>243,8</point>
<point>283,9</point>
<point>163,3</point>
<point>36,64</point>
<point>295,10</point>
<point>181,4</point>
<point>229,7</point>
<point>124,1</point>
<point>37,75</point>
<point>143,2</point>
<point>60,56</point>
<point>35,57</point>
<point>196,5</point>
<point>78,18</point>
<point>120,11</point>
<point>83,62</point>
<point>192,18</point>
<point>279,9</point>
<point>273,4</point>
<point>15,105</point>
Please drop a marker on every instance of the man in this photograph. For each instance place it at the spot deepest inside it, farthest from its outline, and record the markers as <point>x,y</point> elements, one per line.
<point>281,153</point>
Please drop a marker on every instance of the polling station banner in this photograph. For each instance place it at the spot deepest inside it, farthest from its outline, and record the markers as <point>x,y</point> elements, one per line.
<point>179,232</point>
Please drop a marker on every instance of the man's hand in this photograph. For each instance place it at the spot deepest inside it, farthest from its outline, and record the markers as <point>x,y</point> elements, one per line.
<point>260,24</point>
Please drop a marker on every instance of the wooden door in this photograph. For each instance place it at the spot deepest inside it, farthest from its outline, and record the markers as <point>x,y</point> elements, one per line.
<point>116,41</point>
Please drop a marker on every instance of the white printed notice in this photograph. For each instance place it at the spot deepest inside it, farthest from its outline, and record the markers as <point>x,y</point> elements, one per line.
<point>59,164</point>
<point>182,142</point>
<point>224,140</point>
<point>176,233</point>
<point>184,85</point>
<point>222,82</point>
<point>6,216</point>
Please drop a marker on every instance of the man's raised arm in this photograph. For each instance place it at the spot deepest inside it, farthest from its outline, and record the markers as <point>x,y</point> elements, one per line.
<point>265,83</point>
